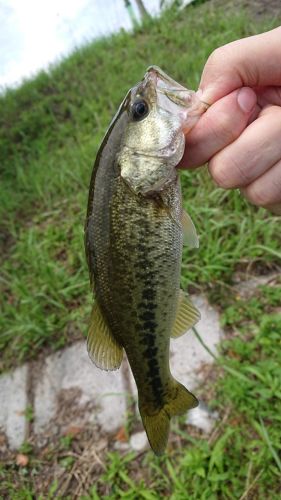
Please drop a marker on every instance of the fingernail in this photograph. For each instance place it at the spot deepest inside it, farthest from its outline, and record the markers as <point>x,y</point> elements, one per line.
<point>246,99</point>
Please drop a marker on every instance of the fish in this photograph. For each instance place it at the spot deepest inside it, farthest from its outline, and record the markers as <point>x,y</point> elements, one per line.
<point>134,233</point>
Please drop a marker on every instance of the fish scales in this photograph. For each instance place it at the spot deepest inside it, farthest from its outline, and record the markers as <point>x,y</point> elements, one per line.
<point>134,238</point>
<point>145,284</point>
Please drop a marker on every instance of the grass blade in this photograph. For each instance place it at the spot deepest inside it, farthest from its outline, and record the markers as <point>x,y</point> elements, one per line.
<point>266,438</point>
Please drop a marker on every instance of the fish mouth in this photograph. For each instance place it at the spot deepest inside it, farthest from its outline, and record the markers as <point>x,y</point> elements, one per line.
<point>165,85</point>
<point>174,98</point>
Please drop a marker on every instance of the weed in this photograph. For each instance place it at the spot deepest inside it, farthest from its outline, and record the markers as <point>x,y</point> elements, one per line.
<point>50,129</point>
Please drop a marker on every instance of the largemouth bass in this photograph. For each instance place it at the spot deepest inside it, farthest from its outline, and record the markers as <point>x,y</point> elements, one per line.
<point>134,234</point>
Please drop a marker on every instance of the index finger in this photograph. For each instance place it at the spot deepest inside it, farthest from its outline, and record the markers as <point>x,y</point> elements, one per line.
<point>218,127</point>
<point>252,62</point>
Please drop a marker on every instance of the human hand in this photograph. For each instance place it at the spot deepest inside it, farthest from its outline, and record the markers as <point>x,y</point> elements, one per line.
<point>240,134</point>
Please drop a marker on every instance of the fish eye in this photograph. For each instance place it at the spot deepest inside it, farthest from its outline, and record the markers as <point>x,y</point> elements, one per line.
<point>140,110</point>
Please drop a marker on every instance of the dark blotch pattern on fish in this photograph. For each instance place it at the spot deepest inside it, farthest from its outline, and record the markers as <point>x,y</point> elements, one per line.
<point>148,325</point>
<point>143,278</point>
<point>148,294</point>
<point>147,316</point>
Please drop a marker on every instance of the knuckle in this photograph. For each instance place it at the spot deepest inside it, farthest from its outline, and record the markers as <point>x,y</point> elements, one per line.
<point>241,176</point>
<point>219,174</point>
<point>216,56</point>
<point>225,127</point>
<point>227,171</point>
<point>220,57</point>
<point>256,195</point>
<point>224,130</point>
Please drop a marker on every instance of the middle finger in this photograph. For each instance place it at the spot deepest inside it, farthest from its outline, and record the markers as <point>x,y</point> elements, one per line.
<point>256,150</point>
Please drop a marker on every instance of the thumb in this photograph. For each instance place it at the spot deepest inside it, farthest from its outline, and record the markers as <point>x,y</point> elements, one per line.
<point>250,62</point>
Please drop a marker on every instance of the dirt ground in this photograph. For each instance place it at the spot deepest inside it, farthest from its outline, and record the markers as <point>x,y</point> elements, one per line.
<point>257,8</point>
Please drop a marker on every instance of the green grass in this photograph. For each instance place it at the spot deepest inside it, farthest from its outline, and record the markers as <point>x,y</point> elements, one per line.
<point>50,129</point>
<point>239,460</point>
<point>244,452</point>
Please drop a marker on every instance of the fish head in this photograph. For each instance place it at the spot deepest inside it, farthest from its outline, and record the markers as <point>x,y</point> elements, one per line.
<point>160,113</point>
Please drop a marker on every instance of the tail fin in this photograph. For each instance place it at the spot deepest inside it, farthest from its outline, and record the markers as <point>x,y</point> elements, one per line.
<point>157,426</point>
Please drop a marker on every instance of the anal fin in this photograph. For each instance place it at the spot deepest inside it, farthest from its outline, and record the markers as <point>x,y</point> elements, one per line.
<point>187,316</point>
<point>103,349</point>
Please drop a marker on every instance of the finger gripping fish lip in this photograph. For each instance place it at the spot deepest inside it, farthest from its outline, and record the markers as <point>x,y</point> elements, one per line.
<point>205,103</point>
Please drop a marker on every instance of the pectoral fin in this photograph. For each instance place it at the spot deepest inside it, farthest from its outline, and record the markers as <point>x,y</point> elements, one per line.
<point>187,316</point>
<point>102,347</point>
<point>190,237</point>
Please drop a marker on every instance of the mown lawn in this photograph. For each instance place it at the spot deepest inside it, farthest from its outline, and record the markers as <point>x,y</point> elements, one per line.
<point>50,129</point>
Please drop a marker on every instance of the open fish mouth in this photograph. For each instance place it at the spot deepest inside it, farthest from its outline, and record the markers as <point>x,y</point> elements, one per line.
<point>175,98</point>
<point>173,90</point>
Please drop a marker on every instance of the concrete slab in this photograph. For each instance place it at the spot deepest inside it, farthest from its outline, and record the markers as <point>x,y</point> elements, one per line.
<point>13,391</point>
<point>69,380</point>
<point>68,390</point>
<point>202,418</point>
<point>139,441</point>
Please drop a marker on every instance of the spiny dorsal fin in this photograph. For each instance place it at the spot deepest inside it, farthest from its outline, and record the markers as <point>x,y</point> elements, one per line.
<point>190,237</point>
<point>102,347</point>
<point>187,316</point>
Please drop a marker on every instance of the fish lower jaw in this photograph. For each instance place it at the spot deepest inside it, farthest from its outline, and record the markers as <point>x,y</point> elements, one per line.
<point>150,190</point>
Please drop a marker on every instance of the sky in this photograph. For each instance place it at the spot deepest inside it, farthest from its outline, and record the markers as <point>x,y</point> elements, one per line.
<point>35,33</point>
